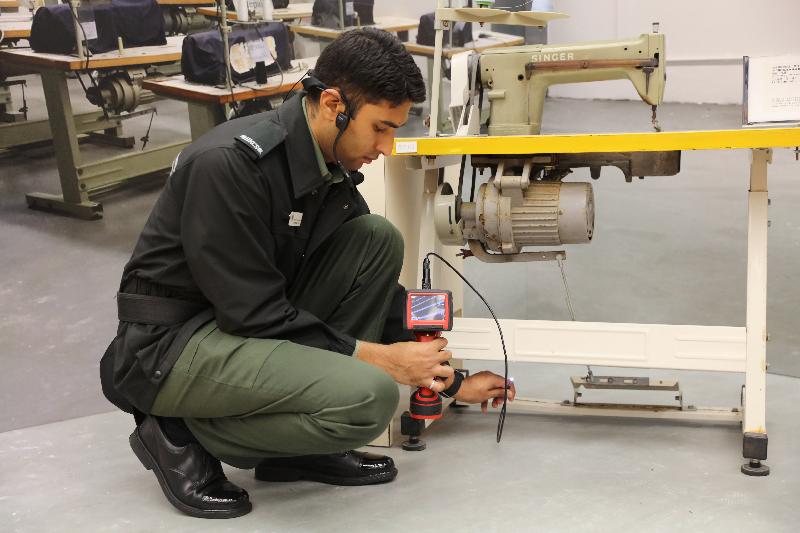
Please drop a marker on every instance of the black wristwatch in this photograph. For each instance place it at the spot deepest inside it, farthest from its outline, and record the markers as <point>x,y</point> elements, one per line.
<point>452,390</point>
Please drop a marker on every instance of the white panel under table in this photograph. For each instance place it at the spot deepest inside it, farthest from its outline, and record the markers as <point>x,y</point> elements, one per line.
<point>712,348</point>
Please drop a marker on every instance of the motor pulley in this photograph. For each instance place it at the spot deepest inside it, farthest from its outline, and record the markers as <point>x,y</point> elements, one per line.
<point>117,91</point>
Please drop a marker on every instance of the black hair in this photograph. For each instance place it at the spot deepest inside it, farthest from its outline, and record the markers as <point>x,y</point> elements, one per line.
<point>370,65</point>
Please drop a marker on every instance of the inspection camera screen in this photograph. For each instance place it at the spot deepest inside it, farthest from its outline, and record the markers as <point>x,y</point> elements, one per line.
<point>427,307</point>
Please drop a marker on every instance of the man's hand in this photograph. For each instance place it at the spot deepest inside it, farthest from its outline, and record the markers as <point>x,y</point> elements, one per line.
<point>485,386</point>
<point>411,363</point>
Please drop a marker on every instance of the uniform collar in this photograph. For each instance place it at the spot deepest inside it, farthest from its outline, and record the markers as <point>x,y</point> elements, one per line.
<point>305,172</point>
<point>288,126</point>
<point>330,172</point>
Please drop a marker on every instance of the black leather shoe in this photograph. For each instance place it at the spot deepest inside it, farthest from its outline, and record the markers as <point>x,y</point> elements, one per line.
<point>349,468</point>
<point>191,478</point>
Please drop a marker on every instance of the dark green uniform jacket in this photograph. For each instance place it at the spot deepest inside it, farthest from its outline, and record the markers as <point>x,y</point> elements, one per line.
<point>220,236</point>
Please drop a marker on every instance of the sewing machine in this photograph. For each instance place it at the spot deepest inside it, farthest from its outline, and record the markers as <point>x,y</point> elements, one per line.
<point>516,79</point>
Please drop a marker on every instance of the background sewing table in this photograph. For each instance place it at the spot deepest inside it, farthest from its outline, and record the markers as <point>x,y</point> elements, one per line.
<point>79,179</point>
<point>208,105</point>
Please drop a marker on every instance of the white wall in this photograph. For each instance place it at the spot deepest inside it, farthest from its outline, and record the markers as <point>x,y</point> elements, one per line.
<point>706,39</point>
<point>404,8</point>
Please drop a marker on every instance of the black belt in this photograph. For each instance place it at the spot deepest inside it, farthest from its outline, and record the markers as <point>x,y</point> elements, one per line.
<point>156,310</point>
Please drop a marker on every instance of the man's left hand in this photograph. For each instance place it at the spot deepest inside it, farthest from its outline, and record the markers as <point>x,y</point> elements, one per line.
<point>485,386</point>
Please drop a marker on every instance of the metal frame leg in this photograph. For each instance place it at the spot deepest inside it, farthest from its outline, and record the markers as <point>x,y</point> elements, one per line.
<point>78,179</point>
<point>754,427</point>
<point>204,116</point>
<point>73,200</point>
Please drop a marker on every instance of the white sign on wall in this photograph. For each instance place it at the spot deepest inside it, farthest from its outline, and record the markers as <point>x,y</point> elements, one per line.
<point>771,90</point>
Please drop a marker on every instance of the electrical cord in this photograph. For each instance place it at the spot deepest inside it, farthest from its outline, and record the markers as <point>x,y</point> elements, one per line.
<point>146,137</point>
<point>24,108</point>
<point>220,25</point>
<point>502,416</point>
<point>289,92</point>
<point>86,67</point>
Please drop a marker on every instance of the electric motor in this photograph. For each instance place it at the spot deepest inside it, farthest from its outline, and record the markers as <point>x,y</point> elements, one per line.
<point>118,91</point>
<point>548,214</point>
<point>511,212</point>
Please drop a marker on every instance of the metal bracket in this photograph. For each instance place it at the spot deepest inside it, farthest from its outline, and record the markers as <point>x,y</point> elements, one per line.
<point>593,382</point>
<point>478,250</point>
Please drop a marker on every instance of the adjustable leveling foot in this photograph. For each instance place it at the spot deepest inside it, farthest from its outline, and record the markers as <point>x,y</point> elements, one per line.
<point>754,449</point>
<point>413,428</point>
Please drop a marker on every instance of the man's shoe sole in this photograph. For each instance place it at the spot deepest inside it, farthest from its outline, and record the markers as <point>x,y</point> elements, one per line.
<point>292,474</point>
<point>149,462</point>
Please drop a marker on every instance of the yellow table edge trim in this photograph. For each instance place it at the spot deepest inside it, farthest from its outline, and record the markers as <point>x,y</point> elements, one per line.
<point>602,142</point>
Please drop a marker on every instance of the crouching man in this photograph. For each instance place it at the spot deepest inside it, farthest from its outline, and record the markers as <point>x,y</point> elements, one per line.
<point>256,324</point>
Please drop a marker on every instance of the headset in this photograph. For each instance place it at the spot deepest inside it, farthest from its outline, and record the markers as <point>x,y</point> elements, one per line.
<point>342,118</point>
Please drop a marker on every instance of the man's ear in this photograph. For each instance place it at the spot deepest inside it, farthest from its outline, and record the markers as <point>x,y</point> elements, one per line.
<point>332,103</point>
<point>329,104</point>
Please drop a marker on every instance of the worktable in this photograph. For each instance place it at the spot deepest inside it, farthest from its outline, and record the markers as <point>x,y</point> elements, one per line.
<point>485,41</point>
<point>78,179</point>
<point>208,105</point>
<point>14,29</point>
<point>411,180</point>
<point>291,12</point>
<point>9,6</point>
<point>399,25</point>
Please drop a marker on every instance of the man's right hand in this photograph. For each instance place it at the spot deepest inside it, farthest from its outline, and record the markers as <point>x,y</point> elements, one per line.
<point>411,363</point>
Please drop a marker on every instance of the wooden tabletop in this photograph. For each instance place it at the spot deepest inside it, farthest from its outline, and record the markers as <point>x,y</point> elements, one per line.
<point>8,4</point>
<point>294,11</point>
<point>15,30</point>
<point>390,24</point>
<point>485,41</point>
<point>178,88</point>
<point>139,56</point>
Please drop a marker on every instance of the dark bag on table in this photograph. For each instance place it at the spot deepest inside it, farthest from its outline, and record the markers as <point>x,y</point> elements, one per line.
<point>426,34</point>
<point>53,29</point>
<point>202,60</point>
<point>325,13</point>
<point>138,22</point>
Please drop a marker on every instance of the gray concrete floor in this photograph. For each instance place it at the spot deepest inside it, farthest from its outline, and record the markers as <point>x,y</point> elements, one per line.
<point>547,474</point>
<point>666,250</point>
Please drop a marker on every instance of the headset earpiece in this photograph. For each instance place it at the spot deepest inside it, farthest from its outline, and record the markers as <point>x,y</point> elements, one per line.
<point>342,121</point>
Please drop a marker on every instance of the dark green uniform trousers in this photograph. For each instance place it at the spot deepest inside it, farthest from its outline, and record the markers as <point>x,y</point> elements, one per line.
<point>246,399</point>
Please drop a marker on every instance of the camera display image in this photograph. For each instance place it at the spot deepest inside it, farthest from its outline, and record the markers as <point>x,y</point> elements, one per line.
<point>428,307</point>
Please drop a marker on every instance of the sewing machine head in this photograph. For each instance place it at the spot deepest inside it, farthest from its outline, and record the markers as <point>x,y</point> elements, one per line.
<point>516,79</point>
